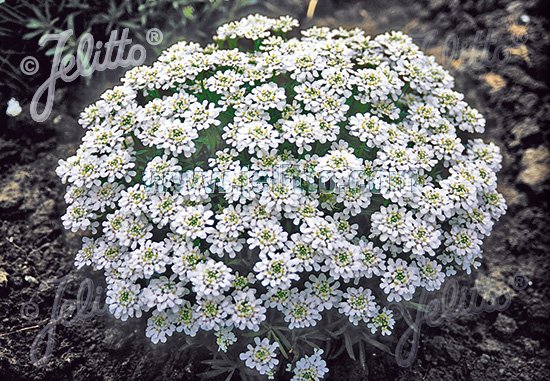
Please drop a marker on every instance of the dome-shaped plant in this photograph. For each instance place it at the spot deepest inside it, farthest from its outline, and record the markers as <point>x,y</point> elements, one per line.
<point>264,185</point>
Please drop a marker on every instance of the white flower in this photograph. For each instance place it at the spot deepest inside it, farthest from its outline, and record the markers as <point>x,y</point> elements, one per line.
<point>103,139</point>
<point>398,186</point>
<point>434,203</point>
<point>267,96</point>
<point>256,136</point>
<point>186,319</point>
<point>310,368</point>
<point>391,223</point>
<point>149,258</point>
<point>471,120</point>
<point>302,310</point>
<point>278,298</point>
<point>489,153</point>
<point>135,230</point>
<point>238,184</point>
<point>431,274</point>
<point>267,235</point>
<point>262,356</point>
<point>163,207</point>
<point>307,257</point>
<point>373,85</point>
<point>222,243</point>
<point>463,241</point>
<point>325,290</point>
<point>476,219</point>
<point>197,185</point>
<point>301,130</point>
<point>399,280</point>
<point>423,238</point>
<point>108,256</point>
<point>210,278</point>
<point>225,338</point>
<point>494,203</point>
<point>276,270</point>
<point>178,104</point>
<point>248,311</point>
<point>372,259</point>
<point>201,116</point>
<point>305,208</point>
<point>79,217</point>
<point>105,196</point>
<point>160,325</point>
<point>383,321</point>
<point>193,222</point>
<point>118,166</point>
<point>134,199</point>
<point>232,220</point>
<point>354,198</point>
<point>310,95</point>
<point>164,293</point>
<point>263,172</point>
<point>320,233</point>
<point>280,197</point>
<point>176,137</point>
<point>14,108</point>
<point>343,262</point>
<point>186,257</point>
<point>212,312</point>
<point>339,163</point>
<point>123,299</point>
<point>396,157</point>
<point>225,82</point>
<point>369,129</point>
<point>162,172</point>
<point>84,256</point>
<point>358,305</point>
<point>460,191</point>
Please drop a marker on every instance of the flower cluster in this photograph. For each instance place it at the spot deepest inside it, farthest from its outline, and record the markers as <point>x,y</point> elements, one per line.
<point>202,181</point>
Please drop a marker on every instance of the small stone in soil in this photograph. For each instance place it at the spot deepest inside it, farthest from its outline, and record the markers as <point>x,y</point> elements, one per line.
<point>535,163</point>
<point>505,325</point>
<point>3,278</point>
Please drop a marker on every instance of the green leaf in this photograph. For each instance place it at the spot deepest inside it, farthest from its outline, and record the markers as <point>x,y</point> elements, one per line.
<point>341,330</point>
<point>331,334</point>
<point>362,357</point>
<point>283,338</point>
<point>129,24</point>
<point>272,333</point>
<point>377,344</point>
<point>31,35</point>
<point>417,306</point>
<point>349,346</point>
<point>218,362</point>
<point>188,12</point>
<point>37,12</point>
<point>35,24</point>
<point>213,373</point>
<point>228,378</point>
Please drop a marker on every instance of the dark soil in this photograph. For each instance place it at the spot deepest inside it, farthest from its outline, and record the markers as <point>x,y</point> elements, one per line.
<point>503,72</point>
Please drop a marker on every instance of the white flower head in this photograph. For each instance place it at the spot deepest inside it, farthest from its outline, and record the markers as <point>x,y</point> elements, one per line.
<point>261,183</point>
<point>261,356</point>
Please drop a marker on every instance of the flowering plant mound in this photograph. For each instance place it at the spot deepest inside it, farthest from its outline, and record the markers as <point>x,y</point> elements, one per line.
<point>263,184</point>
